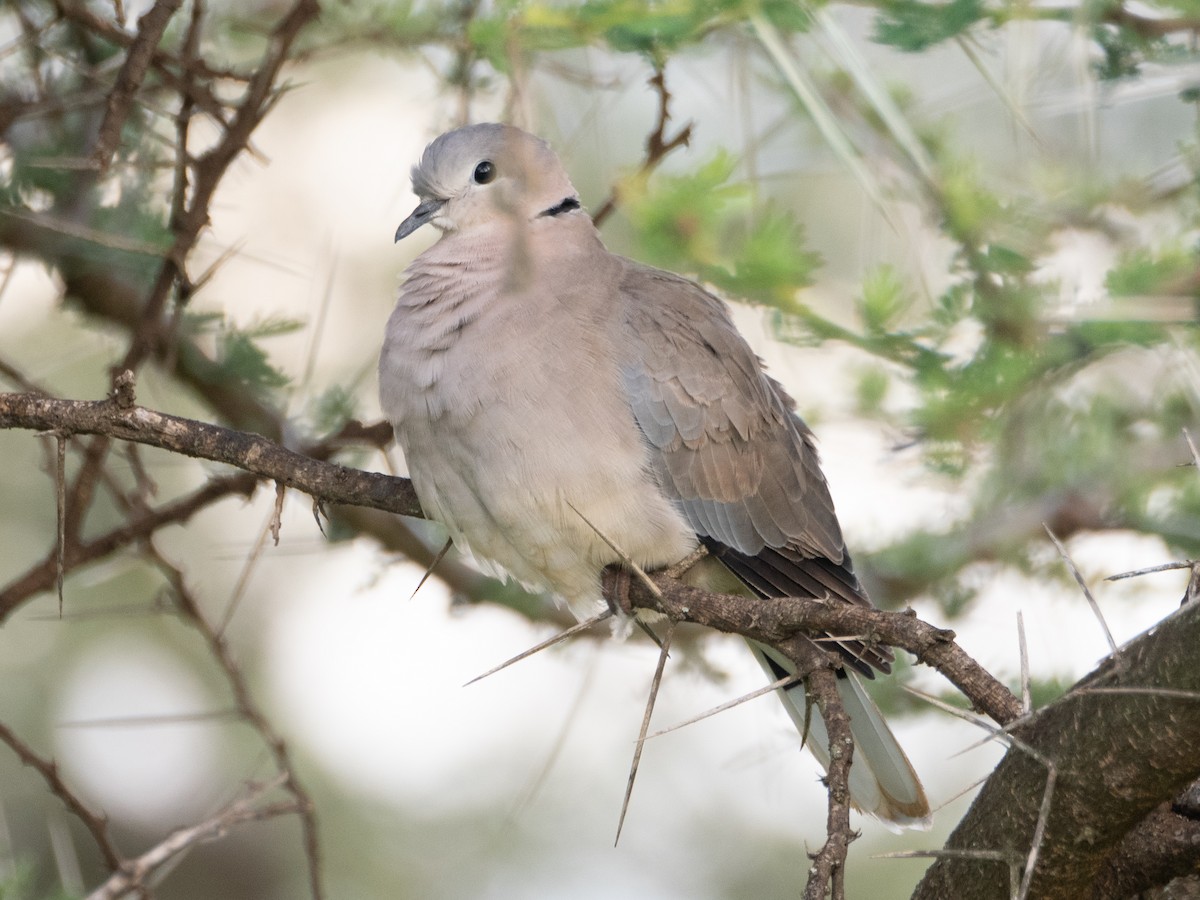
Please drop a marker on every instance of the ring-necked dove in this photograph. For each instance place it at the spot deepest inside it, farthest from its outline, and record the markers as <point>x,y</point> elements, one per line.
<point>551,396</point>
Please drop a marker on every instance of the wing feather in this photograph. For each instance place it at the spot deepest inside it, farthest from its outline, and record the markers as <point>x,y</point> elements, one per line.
<point>728,448</point>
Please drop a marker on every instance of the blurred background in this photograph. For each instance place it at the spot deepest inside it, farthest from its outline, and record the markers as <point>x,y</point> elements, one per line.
<point>964,238</point>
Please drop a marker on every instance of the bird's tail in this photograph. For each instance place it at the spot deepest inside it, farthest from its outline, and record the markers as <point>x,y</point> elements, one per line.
<point>882,781</point>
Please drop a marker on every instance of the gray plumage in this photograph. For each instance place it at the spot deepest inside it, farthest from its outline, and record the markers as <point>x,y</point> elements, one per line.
<point>550,396</point>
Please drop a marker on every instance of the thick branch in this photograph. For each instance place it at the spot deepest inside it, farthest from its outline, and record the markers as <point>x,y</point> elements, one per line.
<point>1164,846</point>
<point>1121,742</point>
<point>327,481</point>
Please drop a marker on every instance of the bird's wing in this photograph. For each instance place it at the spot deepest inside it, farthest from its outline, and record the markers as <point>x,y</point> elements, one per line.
<point>729,449</point>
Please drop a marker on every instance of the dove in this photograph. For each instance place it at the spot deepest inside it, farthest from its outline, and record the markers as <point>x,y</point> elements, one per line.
<point>554,401</point>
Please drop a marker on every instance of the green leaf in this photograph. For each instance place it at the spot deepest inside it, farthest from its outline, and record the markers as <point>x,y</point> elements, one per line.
<point>337,405</point>
<point>677,218</point>
<point>872,389</point>
<point>1141,272</point>
<point>238,356</point>
<point>913,26</point>
<point>771,264</point>
<point>884,299</point>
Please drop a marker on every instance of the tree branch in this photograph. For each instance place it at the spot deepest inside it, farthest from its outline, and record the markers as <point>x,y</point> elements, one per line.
<point>95,823</point>
<point>326,481</point>
<point>135,873</point>
<point>1121,742</point>
<point>771,621</point>
<point>658,145</point>
<point>150,30</point>
<point>41,577</point>
<point>828,872</point>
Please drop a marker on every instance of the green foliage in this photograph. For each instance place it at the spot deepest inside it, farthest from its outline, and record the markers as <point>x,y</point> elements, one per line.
<point>1141,271</point>
<point>239,358</point>
<point>698,222</point>
<point>1122,57</point>
<point>19,883</point>
<point>679,219</point>
<point>913,25</point>
<point>770,263</point>
<point>885,298</point>
<point>335,406</point>
<point>653,30</point>
<point>871,390</point>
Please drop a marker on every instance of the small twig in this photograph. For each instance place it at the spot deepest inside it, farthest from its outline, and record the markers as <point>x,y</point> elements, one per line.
<point>243,579</point>
<point>574,709</point>
<point>1010,859</point>
<point>1150,570</point>
<point>209,170</point>
<point>83,489</point>
<point>828,871</point>
<point>205,717</point>
<point>42,575</point>
<point>16,376</point>
<point>658,145</point>
<point>1187,436</point>
<point>60,225</point>
<point>133,70</point>
<point>135,873</point>
<point>250,712</point>
<point>641,741</point>
<point>95,823</point>
<point>1039,829</point>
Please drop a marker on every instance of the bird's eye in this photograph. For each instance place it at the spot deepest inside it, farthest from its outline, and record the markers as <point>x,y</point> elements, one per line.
<point>484,172</point>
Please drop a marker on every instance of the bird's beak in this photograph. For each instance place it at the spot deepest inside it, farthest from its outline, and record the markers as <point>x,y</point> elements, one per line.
<point>424,212</point>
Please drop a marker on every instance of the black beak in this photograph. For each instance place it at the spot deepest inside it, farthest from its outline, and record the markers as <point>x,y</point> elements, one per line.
<point>425,211</point>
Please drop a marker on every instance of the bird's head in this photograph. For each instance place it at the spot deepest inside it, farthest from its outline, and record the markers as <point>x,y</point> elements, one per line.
<point>478,174</point>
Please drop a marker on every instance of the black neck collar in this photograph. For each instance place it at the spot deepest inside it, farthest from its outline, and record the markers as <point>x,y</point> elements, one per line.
<point>570,203</point>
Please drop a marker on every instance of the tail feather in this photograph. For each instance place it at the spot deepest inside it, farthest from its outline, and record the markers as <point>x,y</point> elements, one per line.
<point>882,781</point>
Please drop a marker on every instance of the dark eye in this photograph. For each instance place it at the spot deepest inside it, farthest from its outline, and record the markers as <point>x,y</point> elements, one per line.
<point>484,172</point>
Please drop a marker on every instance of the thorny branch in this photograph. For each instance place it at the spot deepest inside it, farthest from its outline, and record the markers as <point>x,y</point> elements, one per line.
<point>772,621</point>
<point>249,711</point>
<point>658,145</point>
<point>145,68</point>
<point>41,576</point>
<point>828,873</point>
<point>150,31</point>
<point>134,874</point>
<point>95,823</point>
<point>208,171</point>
